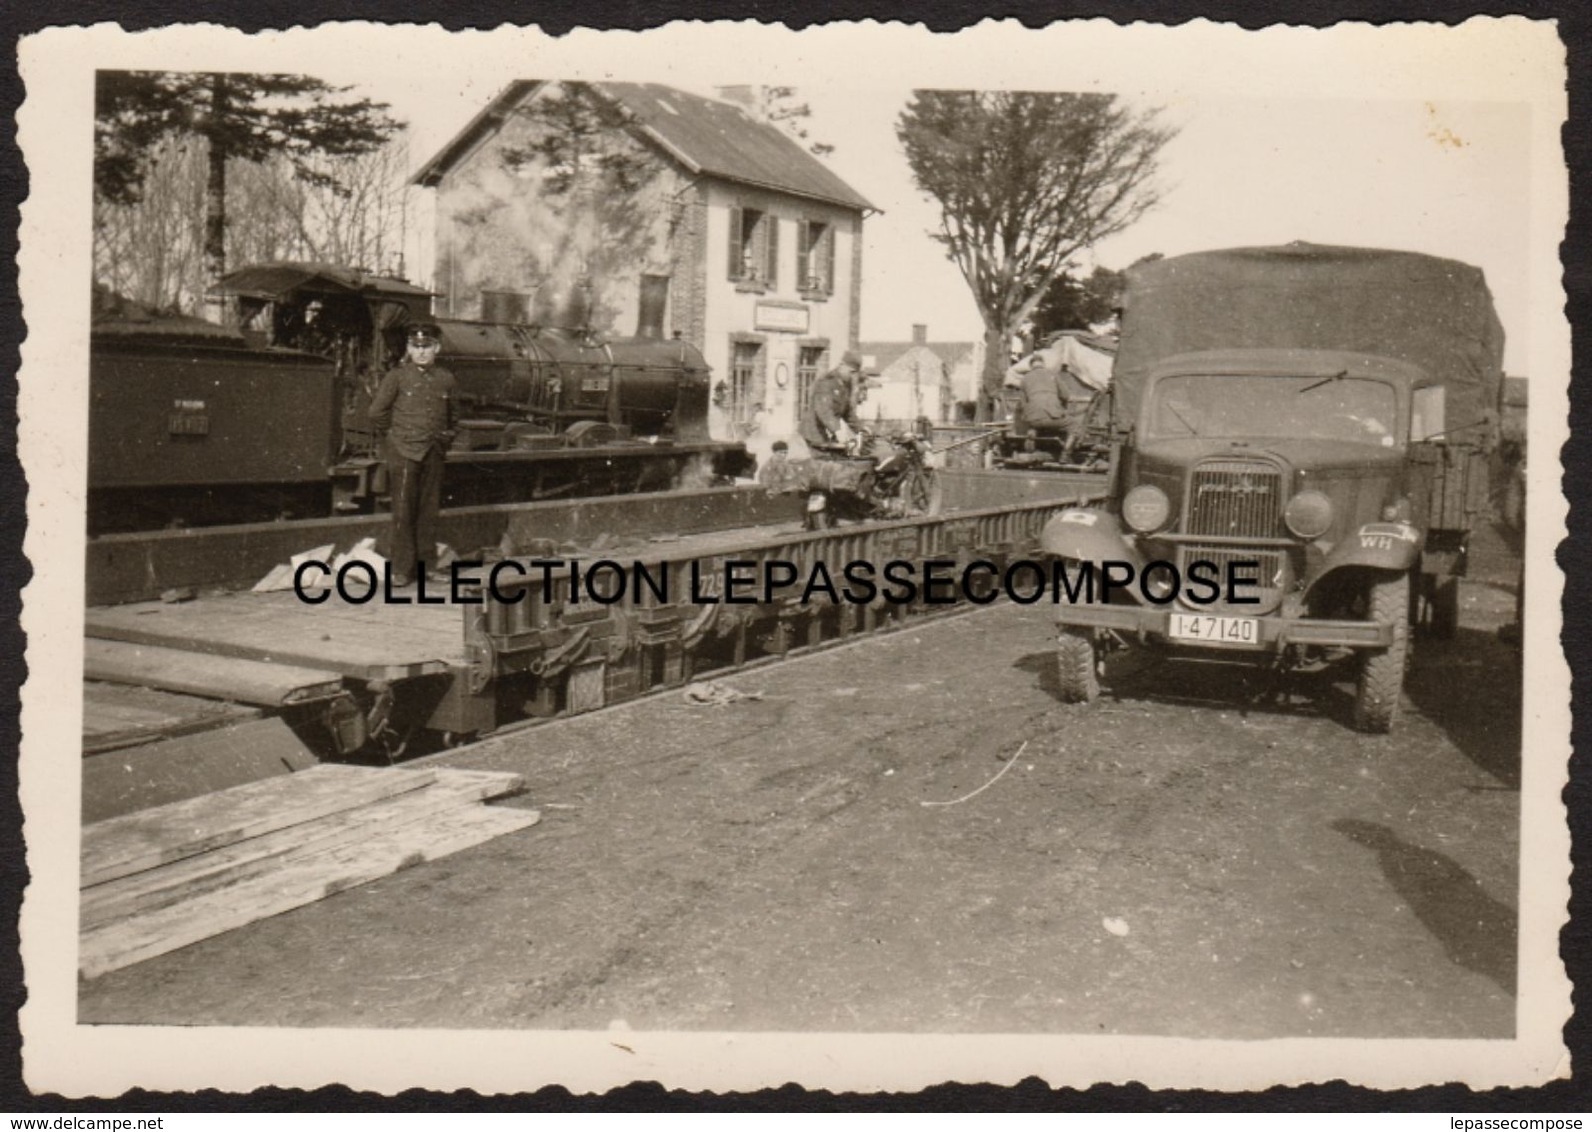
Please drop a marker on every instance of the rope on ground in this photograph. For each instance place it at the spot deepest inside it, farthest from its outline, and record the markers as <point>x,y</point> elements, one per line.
<point>986,785</point>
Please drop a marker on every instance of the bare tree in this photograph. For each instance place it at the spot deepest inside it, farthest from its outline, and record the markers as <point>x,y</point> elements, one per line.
<point>242,117</point>
<point>152,248</point>
<point>1024,181</point>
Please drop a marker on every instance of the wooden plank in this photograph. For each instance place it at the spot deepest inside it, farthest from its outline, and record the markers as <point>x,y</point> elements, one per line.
<point>273,636</point>
<point>224,678</point>
<point>480,785</point>
<point>102,715</point>
<point>134,842</point>
<point>117,716</point>
<point>125,706</point>
<point>314,878</point>
<point>191,877</point>
<point>130,778</point>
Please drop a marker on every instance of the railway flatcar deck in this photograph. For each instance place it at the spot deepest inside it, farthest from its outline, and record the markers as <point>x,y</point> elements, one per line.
<point>119,715</point>
<point>342,677</point>
<point>303,644</point>
<point>371,641</point>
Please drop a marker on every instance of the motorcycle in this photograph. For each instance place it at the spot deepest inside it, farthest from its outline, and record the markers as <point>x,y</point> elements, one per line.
<point>876,478</point>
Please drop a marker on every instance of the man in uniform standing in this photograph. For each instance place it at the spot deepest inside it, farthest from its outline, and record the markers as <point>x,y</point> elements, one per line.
<point>414,406</point>
<point>832,402</point>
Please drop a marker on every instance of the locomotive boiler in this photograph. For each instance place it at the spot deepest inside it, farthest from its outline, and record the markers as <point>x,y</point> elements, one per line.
<point>196,424</point>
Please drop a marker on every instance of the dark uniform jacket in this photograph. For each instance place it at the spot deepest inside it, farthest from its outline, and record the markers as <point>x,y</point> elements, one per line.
<point>830,403</point>
<point>414,406</point>
<point>1045,396</point>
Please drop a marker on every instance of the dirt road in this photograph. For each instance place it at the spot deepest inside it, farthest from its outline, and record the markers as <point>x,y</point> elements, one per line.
<point>1173,860</point>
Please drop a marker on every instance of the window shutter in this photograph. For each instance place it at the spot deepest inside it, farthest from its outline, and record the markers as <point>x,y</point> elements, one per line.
<point>771,238</point>
<point>803,260</point>
<point>828,256</point>
<point>735,243</point>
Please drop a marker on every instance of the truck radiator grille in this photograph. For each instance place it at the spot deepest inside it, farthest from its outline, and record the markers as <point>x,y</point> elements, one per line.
<point>1229,498</point>
<point>1271,572</point>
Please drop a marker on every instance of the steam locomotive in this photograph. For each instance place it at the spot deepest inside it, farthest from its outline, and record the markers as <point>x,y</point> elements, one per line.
<point>194,424</point>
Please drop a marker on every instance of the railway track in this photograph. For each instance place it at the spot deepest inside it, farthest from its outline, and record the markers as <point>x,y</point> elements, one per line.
<point>599,620</point>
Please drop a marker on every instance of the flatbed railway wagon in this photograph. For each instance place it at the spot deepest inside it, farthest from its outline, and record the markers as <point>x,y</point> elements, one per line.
<point>192,424</point>
<point>359,671</point>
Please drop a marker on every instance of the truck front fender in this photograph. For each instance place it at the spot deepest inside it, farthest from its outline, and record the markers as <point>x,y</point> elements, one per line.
<point>1381,546</point>
<point>1088,536</point>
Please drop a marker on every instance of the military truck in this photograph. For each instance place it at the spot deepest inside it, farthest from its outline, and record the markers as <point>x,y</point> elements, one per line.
<point>1312,421</point>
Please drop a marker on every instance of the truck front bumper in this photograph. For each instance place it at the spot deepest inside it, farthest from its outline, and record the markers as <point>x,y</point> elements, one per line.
<point>1275,633</point>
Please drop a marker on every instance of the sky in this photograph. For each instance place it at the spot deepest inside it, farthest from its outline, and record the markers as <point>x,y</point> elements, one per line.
<point>1445,178</point>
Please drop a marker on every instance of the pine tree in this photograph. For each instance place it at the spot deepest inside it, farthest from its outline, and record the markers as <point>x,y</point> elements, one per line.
<point>1076,302</point>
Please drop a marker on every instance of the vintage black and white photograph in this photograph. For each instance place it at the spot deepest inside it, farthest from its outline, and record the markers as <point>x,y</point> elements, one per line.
<point>729,556</point>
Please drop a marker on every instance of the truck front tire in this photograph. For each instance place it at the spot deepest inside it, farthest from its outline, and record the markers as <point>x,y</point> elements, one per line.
<point>1077,674</point>
<point>1376,701</point>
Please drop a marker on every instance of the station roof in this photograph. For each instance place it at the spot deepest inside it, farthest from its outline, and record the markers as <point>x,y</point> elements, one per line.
<point>706,136</point>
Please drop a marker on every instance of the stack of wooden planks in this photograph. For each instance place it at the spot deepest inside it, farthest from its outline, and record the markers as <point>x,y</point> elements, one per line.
<point>170,876</point>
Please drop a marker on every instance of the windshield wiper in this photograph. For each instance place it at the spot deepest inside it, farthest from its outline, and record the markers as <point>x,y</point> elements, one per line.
<point>1339,376</point>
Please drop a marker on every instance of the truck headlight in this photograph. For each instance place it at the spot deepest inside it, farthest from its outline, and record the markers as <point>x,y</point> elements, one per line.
<point>1145,508</point>
<point>1308,514</point>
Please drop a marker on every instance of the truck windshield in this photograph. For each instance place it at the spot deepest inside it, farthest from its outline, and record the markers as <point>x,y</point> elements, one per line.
<point>1330,407</point>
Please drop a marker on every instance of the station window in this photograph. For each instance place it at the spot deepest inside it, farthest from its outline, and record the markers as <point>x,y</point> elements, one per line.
<point>754,247</point>
<point>746,393</point>
<point>808,363</point>
<point>815,257</point>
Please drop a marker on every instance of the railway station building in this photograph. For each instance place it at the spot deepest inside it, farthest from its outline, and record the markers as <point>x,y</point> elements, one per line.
<point>636,208</point>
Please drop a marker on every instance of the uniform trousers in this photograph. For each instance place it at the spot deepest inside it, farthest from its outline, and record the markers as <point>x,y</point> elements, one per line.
<point>416,487</point>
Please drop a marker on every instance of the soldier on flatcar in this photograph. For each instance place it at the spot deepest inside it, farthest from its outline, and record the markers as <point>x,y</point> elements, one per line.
<point>832,405</point>
<point>414,406</point>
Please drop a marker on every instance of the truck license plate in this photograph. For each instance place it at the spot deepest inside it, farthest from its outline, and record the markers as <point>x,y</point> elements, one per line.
<point>1209,629</point>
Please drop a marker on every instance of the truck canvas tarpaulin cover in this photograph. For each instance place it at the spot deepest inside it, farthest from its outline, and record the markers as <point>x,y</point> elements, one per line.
<point>1430,312</point>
